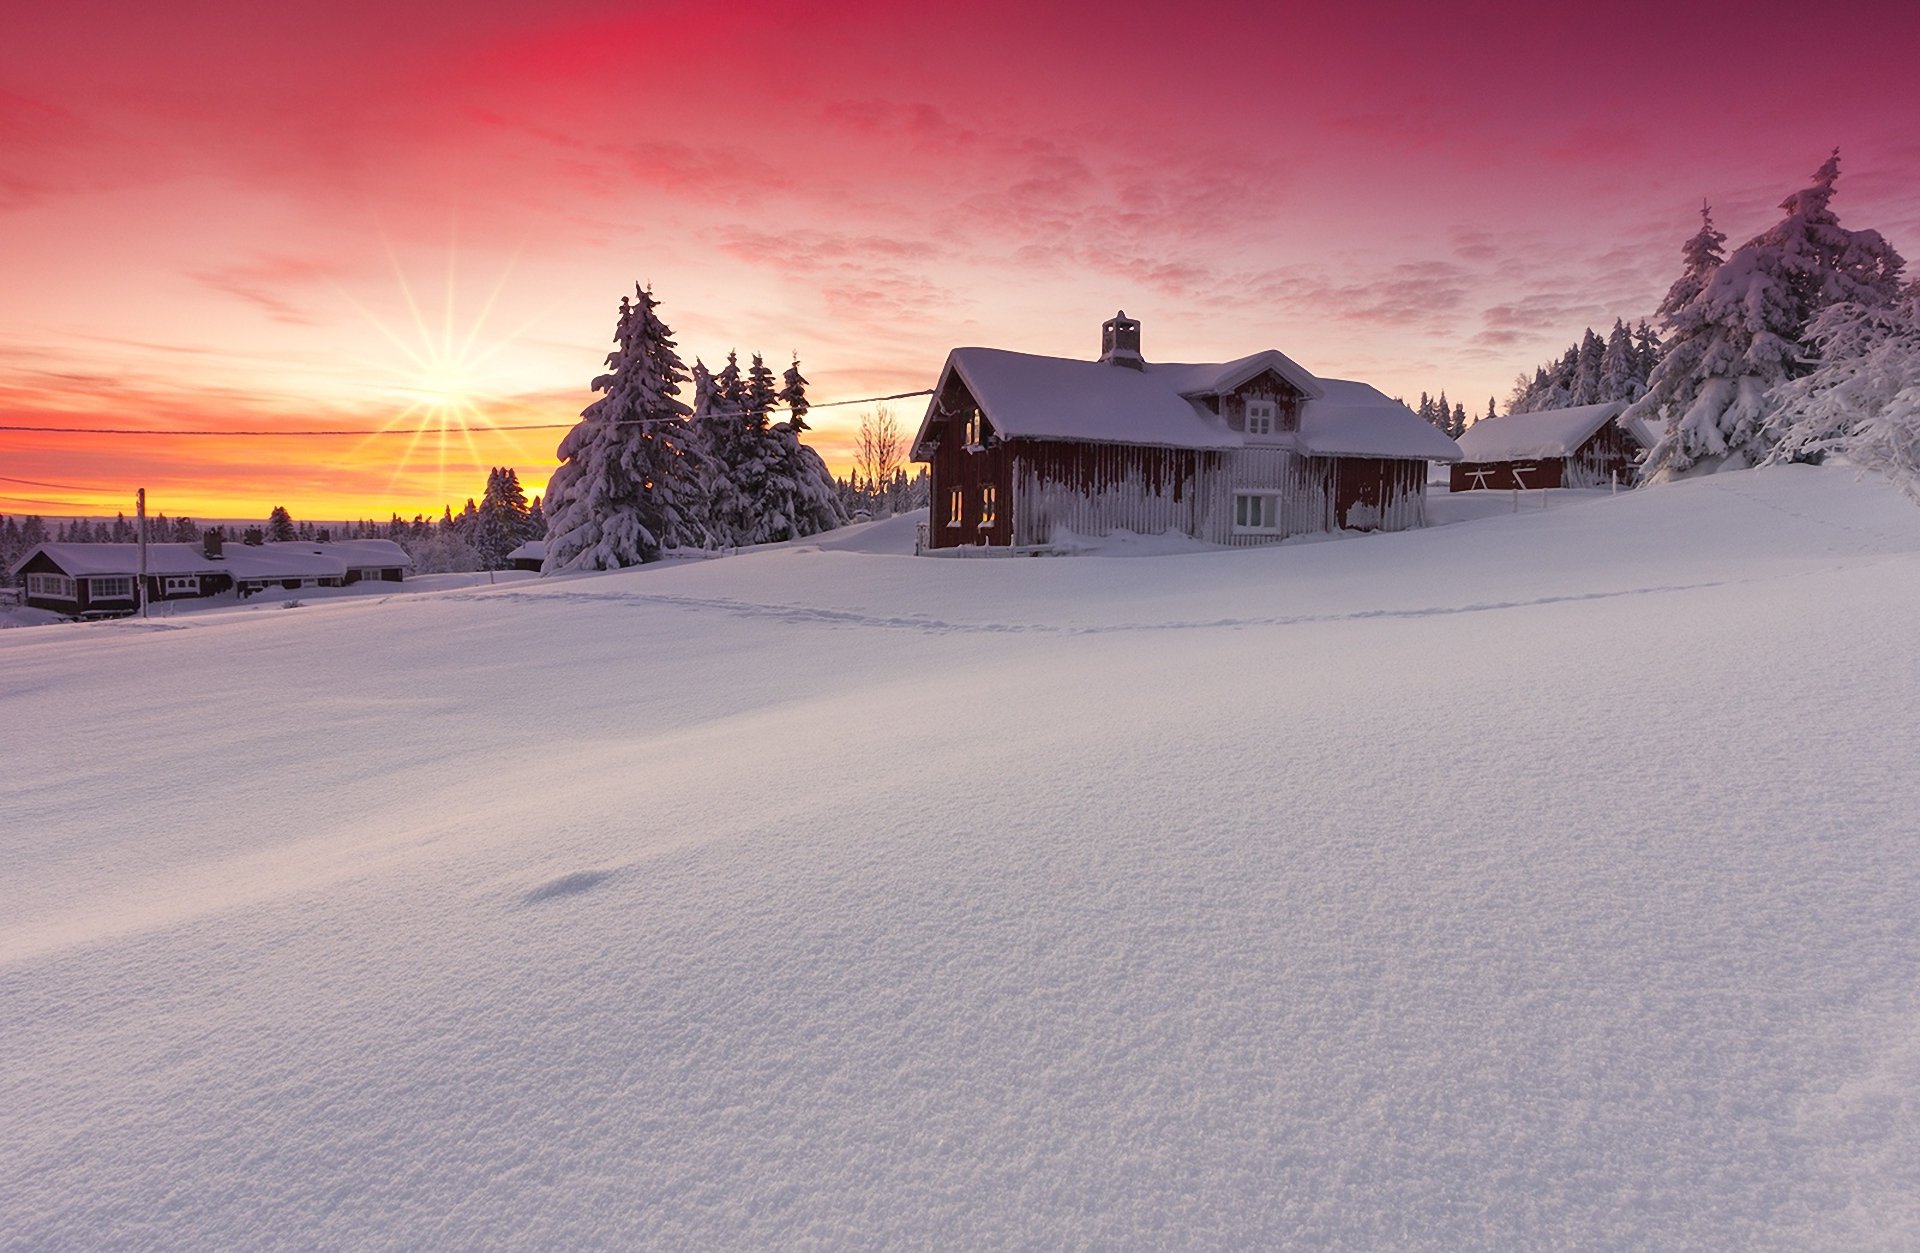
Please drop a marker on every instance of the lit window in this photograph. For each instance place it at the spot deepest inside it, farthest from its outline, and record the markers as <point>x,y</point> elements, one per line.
<point>989,510</point>
<point>112,587</point>
<point>1260,417</point>
<point>1254,511</point>
<point>57,586</point>
<point>956,501</point>
<point>973,428</point>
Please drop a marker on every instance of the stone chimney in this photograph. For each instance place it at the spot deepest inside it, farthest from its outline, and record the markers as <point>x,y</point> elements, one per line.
<point>210,545</point>
<point>1120,342</point>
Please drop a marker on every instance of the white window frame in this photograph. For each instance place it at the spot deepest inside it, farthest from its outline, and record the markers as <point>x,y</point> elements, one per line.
<point>171,584</point>
<point>956,505</point>
<point>110,587</point>
<point>1263,417</point>
<point>973,428</point>
<point>1256,513</point>
<point>51,586</point>
<point>989,507</point>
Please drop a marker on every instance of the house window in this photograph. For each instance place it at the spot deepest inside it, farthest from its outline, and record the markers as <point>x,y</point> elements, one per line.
<point>111,587</point>
<point>181,584</point>
<point>54,586</point>
<point>989,506</point>
<point>956,501</point>
<point>1261,417</point>
<point>973,428</point>
<point>1255,511</point>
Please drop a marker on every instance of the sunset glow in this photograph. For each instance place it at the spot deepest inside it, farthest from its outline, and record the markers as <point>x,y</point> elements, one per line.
<point>380,218</point>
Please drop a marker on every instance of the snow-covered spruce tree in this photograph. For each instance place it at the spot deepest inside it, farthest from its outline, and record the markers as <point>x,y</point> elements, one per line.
<point>1619,367</point>
<point>793,394</point>
<point>1862,398</point>
<point>1744,334</point>
<point>629,485</point>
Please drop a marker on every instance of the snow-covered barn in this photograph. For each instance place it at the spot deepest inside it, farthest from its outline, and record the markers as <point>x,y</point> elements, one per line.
<point>99,580</point>
<point>1249,451</point>
<point>1586,446</point>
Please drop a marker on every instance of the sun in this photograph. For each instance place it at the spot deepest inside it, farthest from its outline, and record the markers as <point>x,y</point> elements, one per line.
<point>435,377</point>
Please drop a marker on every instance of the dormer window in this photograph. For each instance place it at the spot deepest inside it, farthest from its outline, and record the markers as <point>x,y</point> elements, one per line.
<point>1262,417</point>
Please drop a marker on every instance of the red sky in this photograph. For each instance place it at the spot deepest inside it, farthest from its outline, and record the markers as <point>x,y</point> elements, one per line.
<point>231,215</point>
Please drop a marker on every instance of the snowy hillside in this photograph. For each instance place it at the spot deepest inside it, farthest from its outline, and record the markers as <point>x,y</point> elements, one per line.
<point>1545,879</point>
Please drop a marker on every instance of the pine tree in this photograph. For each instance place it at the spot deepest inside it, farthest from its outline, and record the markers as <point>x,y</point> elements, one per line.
<point>280,526</point>
<point>1862,397</point>
<point>1744,333</point>
<point>793,394</point>
<point>630,483</point>
<point>1585,387</point>
<point>1619,367</point>
<point>1458,426</point>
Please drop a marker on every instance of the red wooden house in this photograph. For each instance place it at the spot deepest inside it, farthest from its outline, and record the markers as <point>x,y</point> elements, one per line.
<point>1586,446</point>
<point>1023,448</point>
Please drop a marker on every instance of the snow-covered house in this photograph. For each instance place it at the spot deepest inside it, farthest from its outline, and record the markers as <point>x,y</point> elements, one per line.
<point>531,555</point>
<point>1586,446</point>
<point>99,580</point>
<point>1240,452</point>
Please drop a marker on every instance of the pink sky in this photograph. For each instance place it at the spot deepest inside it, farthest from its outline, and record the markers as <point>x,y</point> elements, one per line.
<point>241,216</point>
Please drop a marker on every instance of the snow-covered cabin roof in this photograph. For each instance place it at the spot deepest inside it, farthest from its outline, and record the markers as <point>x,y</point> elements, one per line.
<point>359,554</point>
<point>1214,380</point>
<point>1033,397</point>
<point>85,560</point>
<point>1547,433</point>
<point>284,560</point>
<point>532,550</point>
<point>1354,419</point>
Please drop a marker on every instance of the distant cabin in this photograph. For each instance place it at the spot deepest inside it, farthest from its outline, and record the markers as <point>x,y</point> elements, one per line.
<point>1587,446</point>
<point>99,580</point>
<point>1020,448</point>
<point>531,555</point>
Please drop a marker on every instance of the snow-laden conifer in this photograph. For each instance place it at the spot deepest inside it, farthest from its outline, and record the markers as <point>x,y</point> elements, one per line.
<point>1862,398</point>
<point>629,486</point>
<point>1742,335</point>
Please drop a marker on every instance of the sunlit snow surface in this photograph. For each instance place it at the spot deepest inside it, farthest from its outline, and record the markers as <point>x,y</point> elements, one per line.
<point>1550,878</point>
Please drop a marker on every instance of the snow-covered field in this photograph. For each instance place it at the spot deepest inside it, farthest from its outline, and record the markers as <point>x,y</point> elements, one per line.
<point>1550,878</point>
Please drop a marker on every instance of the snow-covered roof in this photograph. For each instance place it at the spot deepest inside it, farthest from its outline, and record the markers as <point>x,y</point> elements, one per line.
<point>1032,397</point>
<point>1357,420</point>
<point>532,550</point>
<point>83,560</point>
<point>1025,396</point>
<point>284,560</point>
<point>1213,380</point>
<point>1547,433</point>
<point>362,554</point>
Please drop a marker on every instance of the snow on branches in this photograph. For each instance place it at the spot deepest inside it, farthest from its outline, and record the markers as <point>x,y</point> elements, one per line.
<point>643,473</point>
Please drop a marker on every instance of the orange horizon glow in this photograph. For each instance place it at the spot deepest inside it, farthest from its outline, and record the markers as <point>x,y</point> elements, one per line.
<point>221,215</point>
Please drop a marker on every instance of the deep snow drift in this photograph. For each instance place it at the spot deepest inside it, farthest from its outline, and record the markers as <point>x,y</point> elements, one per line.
<point>1549,878</point>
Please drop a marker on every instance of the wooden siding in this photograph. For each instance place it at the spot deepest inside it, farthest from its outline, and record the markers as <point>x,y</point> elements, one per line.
<point>1379,493</point>
<point>969,470</point>
<point>1092,489</point>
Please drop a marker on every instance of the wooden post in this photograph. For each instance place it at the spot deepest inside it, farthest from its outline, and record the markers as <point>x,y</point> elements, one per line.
<point>140,512</point>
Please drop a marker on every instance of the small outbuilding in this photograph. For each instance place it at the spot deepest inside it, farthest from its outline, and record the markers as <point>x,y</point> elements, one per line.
<point>531,555</point>
<point>1586,446</point>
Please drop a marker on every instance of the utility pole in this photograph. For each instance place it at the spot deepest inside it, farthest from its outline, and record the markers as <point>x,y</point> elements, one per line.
<point>140,512</point>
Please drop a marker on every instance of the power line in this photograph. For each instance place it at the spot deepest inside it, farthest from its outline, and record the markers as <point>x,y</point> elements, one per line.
<point>65,487</point>
<point>442,429</point>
